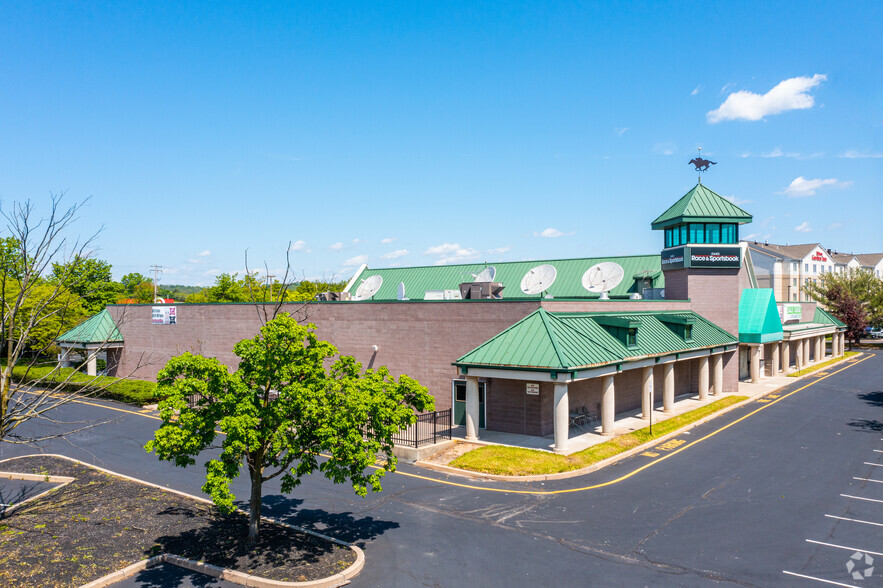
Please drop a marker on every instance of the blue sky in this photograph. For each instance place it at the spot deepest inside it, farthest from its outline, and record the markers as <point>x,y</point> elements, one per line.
<point>417,133</point>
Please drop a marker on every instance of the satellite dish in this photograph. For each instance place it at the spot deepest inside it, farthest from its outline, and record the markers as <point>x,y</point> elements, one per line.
<point>538,279</point>
<point>369,287</point>
<point>401,294</point>
<point>603,277</point>
<point>486,275</point>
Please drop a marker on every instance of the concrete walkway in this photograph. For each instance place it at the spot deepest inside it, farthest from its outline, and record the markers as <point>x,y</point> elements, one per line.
<point>587,436</point>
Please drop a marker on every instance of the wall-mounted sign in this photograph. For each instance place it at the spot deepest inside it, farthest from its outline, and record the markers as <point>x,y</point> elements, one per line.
<point>818,256</point>
<point>165,315</point>
<point>726,256</point>
<point>532,389</point>
<point>790,312</point>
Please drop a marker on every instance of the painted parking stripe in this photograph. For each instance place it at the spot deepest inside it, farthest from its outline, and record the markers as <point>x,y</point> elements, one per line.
<point>843,547</point>
<point>854,520</point>
<point>868,480</point>
<point>860,498</point>
<point>879,465</point>
<point>817,579</point>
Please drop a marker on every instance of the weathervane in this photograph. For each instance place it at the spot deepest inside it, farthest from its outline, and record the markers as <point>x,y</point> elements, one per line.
<point>701,164</point>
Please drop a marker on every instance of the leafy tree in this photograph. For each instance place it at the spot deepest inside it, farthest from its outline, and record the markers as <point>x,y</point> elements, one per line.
<point>90,279</point>
<point>130,281</point>
<point>861,285</point>
<point>227,288</point>
<point>307,290</point>
<point>279,411</point>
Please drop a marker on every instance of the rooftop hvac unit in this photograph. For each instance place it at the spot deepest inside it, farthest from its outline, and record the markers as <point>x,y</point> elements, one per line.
<point>635,296</point>
<point>333,296</point>
<point>481,290</point>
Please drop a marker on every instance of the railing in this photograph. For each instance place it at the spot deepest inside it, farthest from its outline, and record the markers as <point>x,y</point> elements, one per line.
<point>430,428</point>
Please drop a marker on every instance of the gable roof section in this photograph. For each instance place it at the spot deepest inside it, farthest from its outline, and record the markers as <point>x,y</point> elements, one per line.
<point>869,259</point>
<point>826,318</point>
<point>759,320</point>
<point>564,341</point>
<point>99,328</point>
<point>568,282</point>
<point>790,251</point>
<point>701,204</point>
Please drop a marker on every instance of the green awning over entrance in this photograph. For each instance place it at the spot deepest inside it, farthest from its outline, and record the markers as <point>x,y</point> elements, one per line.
<point>564,341</point>
<point>759,320</point>
<point>97,329</point>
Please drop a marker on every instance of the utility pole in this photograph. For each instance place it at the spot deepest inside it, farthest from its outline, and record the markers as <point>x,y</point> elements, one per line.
<point>156,269</point>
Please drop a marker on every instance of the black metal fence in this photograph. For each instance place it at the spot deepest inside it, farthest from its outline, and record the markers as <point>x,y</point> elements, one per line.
<point>431,427</point>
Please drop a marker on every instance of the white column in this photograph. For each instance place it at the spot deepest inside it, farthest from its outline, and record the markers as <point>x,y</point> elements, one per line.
<point>774,360</point>
<point>718,383</point>
<point>754,362</point>
<point>63,356</point>
<point>786,357</point>
<point>668,389</point>
<point>703,377</point>
<point>608,405</point>
<point>646,392</point>
<point>798,355</point>
<point>808,358</point>
<point>842,343</point>
<point>562,418</point>
<point>92,364</point>
<point>472,408</point>
<point>820,348</point>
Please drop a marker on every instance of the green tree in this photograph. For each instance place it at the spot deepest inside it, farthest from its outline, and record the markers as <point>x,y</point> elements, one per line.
<point>131,281</point>
<point>279,411</point>
<point>90,279</point>
<point>859,284</point>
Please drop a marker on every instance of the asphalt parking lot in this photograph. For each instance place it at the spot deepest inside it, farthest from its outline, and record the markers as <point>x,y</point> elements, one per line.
<point>781,491</point>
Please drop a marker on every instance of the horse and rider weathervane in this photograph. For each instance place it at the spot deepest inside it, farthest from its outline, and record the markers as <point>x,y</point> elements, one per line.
<point>701,164</point>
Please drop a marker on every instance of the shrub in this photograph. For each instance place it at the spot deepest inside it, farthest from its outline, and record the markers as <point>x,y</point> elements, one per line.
<point>131,391</point>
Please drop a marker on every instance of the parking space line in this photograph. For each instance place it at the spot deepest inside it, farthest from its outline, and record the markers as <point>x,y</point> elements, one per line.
<point>878,450</point>
<point>843,547</point>
<point>854,520</point>
<point>879,465</point>
<point>860,498</point>
<point>817,579</point>
<point>868,480</point>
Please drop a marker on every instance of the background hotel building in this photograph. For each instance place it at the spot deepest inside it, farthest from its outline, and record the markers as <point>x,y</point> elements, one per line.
<point>787,268</point>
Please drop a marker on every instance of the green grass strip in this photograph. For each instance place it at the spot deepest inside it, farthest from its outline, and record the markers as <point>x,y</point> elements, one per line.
<point>48,376</point>
<point>813,368</point>
<point>517,461</point>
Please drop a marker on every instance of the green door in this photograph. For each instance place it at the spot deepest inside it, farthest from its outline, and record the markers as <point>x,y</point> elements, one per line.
<point>460,404</point>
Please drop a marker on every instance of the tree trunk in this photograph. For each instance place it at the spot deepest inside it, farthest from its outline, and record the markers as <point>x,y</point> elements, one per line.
<point>254,518</point>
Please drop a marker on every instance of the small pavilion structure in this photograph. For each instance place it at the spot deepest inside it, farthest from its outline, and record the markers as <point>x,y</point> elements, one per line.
<point>97,334</point>
<point>596,363</point>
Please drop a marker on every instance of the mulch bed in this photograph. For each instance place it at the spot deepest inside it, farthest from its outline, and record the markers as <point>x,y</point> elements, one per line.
<point>100,523</point>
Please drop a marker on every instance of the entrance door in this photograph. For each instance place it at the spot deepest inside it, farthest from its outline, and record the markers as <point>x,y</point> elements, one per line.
<point>460,403</point>
<point>744,363</point>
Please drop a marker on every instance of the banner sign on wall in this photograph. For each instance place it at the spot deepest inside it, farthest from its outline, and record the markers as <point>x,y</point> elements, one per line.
<point>165,315</point>
<point>726,256</point>
<point>790,312</point>
<point>673,258</point>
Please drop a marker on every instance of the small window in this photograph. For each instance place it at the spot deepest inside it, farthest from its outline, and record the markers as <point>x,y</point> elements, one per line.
<point>713,233</point>
<point>632,338</point>
<point>806,267</point>
<point>683,229</point>
<point>729,233</point>
<point>814,270</point>
<point>697,233</point>
<point>688,332</point>
<point>460,392</point>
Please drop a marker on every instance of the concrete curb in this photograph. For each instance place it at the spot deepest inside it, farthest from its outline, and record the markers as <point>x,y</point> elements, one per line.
<point>618,457</point>
<point>241,578</point>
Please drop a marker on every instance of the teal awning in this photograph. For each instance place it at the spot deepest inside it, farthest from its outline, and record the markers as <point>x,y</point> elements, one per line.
<point>759,320</point>
<point>98,329</point>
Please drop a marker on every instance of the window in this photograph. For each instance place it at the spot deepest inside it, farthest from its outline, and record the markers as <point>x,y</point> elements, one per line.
<point>814,270</point>
<point>795,282</point>
<point>806,267</point>
<point>683,229</point>
<point>794,297</point>
<point>632,338</point>
<point>697,233</point>
<point>713,233</point>
<point>668,238</point>
<point>688,332</point>
<point>823,269</point>
<point>729,233</point>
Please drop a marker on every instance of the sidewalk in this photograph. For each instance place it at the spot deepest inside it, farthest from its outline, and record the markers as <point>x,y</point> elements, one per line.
<point>584,437</point>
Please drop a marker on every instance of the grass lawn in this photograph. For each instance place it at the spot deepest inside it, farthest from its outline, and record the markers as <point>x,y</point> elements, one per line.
<point>819,366</point>
<point>516,461</point>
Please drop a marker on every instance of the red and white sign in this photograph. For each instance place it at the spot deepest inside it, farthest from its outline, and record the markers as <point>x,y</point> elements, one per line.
<point>819,256</point>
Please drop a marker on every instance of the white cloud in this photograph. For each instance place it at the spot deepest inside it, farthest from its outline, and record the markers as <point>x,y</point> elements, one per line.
<point>354,261</point>
<point>451,253</point>
<point>337,246</point>
<point>499,250</point>
<point>801,187</point>
<point>551,233</point>
<point>395,254</point>
<point>727,86</point>
<point>299,245</point>
<point>853,154</point>
<point>667,148</point>
<point>803,227</point>
<point>620,131</point>
<point>833,226</point>
<point>388,240</point>
<point>356,241</point>
<point>790,94</point>
<point>204,253</point>
<point>697,89</point>
<point>737,201</point>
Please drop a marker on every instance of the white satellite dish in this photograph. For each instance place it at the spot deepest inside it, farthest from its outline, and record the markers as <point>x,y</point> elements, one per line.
<point>538,279</point>
<point>486,275</point>
<point>603,277</point>
<point>369,287</point>
<point>401,294</point>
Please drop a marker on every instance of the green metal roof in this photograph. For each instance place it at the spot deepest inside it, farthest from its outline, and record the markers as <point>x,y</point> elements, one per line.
<point>825,317</point>
<point>565,341</point>
<point>759,320</point>
<point>701,205</point>
<point>567,283</point>
<point>99,328</point>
